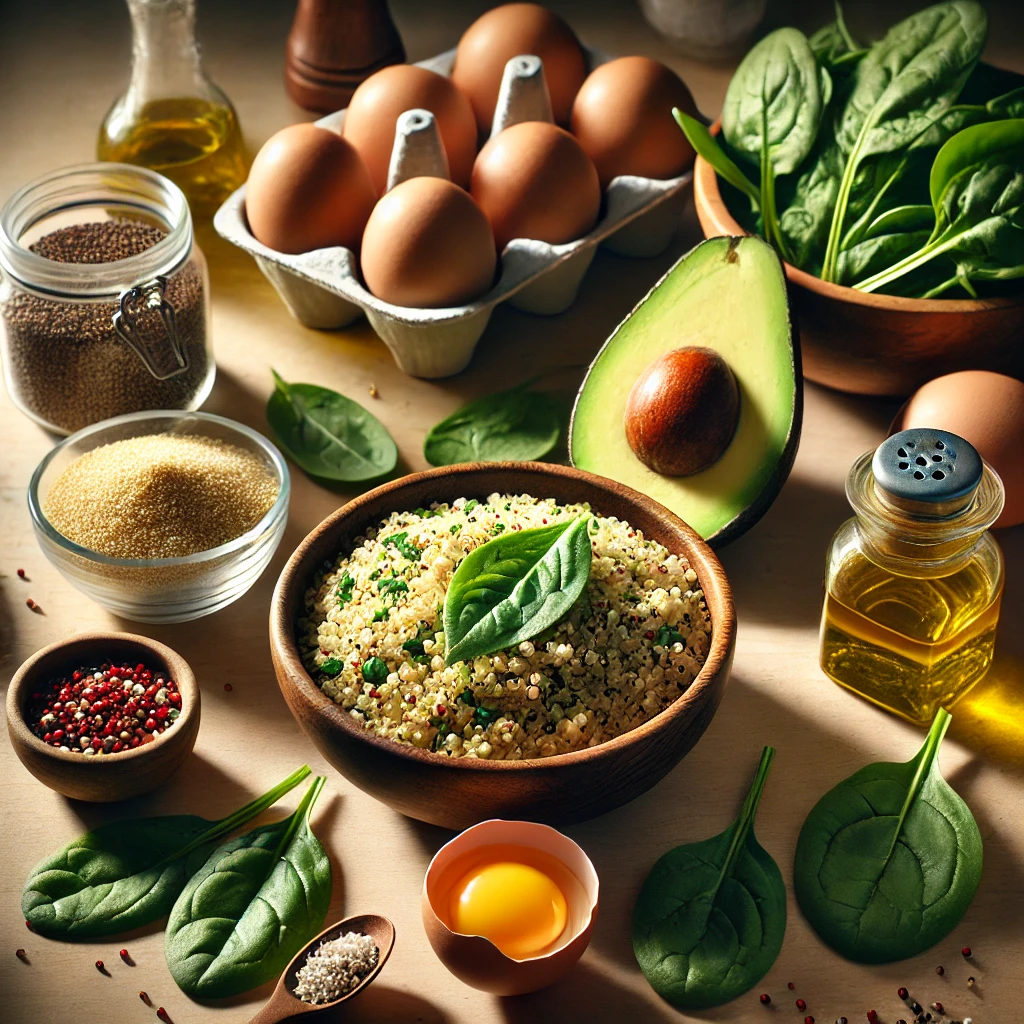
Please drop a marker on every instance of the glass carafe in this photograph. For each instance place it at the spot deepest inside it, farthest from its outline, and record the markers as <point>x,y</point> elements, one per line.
<point>913,582</point>
<point>172,118</point>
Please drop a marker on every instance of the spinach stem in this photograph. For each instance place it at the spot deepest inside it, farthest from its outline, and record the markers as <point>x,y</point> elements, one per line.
<point>912,262</point>
<point>745,821</point>
<point>301,815</point>
<point>925,760</point>
<point>240,817</point>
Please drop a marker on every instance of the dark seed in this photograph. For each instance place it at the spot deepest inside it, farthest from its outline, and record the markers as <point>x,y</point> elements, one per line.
<point>144,996</point>
<point>791,986</point>
<point>902,993</point>
<point>228,687</point>
<point>966,952</point>
<point>21,955</point>
<point>765,999</point>
<point>916,1007</point>
<point>971,982</point>
<point>872,1017</point>
<point>100,967</point>
<point>125,956</point>
<point>21,573</point>
<point>801,1005</point>
<point>808,1020</point>
<point>163,1015</point>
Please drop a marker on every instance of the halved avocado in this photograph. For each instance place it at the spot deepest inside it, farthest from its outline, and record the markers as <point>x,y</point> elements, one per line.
<point>728,295</point>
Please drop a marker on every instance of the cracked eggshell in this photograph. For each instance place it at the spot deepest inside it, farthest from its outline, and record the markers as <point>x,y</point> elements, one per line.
<point>476,961</point>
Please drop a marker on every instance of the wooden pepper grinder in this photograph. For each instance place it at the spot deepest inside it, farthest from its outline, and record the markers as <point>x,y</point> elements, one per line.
<point>333,46</point>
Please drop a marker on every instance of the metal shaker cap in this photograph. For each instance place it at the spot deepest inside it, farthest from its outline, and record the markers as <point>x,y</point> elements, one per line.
<point>926,471</point>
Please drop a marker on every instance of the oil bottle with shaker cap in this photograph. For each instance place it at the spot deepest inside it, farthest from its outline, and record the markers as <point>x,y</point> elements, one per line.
<point>913,581</point>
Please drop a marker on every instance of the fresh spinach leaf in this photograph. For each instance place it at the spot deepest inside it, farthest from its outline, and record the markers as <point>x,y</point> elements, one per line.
<point>977,189</point>
<point>875,254</point>
<point>834,45</point>
<point>901,86</point>
<point>511,425</point>
<point>328,435</point>
<point>344,589</point>
<point>711,916</point>
<point>128,873</point>
<point>888,861</point>
<point>250,908</point>
<point>332,666</point>
<point>706,145</point>
<point>514,587</point>
<point>773,109</point>
<point>913,217</point>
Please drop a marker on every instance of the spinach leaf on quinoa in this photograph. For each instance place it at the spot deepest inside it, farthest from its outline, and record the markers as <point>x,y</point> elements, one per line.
<point>711,916</point>
<point>404,545</point>
<point>513,587</point>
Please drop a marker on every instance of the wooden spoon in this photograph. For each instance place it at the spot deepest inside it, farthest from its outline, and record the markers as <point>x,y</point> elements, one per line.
<point>283,1005</point>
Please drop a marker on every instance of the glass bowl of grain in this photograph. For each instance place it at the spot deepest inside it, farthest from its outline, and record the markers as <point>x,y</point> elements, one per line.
<point>161,516</point>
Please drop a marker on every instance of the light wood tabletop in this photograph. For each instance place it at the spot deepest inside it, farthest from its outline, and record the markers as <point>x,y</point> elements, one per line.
<point>61,63</point>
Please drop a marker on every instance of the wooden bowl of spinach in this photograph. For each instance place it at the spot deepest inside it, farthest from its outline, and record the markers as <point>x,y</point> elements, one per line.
<point>889,178</point>
<point>459,792</point>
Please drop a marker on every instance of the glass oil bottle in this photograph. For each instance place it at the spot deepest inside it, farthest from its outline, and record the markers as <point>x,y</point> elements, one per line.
<point>913,582</point>
<point>172,118</point>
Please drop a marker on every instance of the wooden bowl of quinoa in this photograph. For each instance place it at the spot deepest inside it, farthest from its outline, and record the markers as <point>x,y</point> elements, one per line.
<point>576,722</point>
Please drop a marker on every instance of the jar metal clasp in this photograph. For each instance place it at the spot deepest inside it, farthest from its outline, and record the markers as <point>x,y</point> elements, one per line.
<point>164,357</point>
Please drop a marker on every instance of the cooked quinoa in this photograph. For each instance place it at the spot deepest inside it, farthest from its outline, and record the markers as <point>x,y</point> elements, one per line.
<point>373,638</point>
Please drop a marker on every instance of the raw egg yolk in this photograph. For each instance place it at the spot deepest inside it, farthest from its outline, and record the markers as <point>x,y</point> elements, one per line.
<point>520,909</point>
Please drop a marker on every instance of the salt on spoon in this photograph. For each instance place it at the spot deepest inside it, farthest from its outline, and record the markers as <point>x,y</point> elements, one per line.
<point>284,1004</point>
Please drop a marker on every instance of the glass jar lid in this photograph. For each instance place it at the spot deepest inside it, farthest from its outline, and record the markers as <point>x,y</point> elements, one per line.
<point>90,192</point>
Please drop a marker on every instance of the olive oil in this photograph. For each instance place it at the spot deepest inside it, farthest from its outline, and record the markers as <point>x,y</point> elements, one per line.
<point>909,647</point>
<point>913,583</point>
<point>194,142</point>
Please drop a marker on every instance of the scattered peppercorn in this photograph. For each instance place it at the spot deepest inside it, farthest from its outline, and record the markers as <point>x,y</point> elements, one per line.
<point>104,709</point>
<point>100,967</point>
<point>940,970</point>
<point>791,986</point>
<point>841,1020</point>
<point>21,573</point>
<point>902,992</point>
<point>126,957</point>
<point>916,1007</point>
<point>966,952</point>
<point>21,955</point>
<point>144,996</point>
<point>801,1005</point>
<point>228,687</point>
<point>765,999</point>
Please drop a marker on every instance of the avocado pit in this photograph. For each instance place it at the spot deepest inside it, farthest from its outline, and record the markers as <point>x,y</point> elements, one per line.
<point>682,411</point>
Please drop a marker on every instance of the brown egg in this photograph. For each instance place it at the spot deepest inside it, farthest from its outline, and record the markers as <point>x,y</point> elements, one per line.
<point>986,409</point>
<point>378,102</point>
<point>534,181</point>
<point>506,32</point>
<point>427,244</point>
<point>308,189</point>
<point>623,119</point>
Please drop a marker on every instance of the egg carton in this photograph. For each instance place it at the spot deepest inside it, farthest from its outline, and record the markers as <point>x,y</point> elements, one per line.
<point>323,289</point>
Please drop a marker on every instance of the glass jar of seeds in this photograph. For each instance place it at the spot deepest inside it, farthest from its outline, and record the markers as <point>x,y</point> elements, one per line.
<point>104,303</point>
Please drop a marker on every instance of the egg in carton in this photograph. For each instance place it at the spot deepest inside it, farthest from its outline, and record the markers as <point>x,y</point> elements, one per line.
<point>323,288</point>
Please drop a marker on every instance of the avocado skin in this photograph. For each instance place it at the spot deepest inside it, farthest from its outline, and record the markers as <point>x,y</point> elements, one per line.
<point>596,408</point>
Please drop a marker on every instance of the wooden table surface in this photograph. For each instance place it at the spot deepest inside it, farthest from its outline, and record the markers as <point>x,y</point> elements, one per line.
<point>61,63</point>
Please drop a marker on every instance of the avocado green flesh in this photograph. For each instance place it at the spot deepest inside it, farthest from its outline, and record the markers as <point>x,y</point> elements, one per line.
<point>728,295</point>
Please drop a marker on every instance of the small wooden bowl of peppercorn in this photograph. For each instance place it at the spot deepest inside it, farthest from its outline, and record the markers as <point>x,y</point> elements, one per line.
<point>138,720</point>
